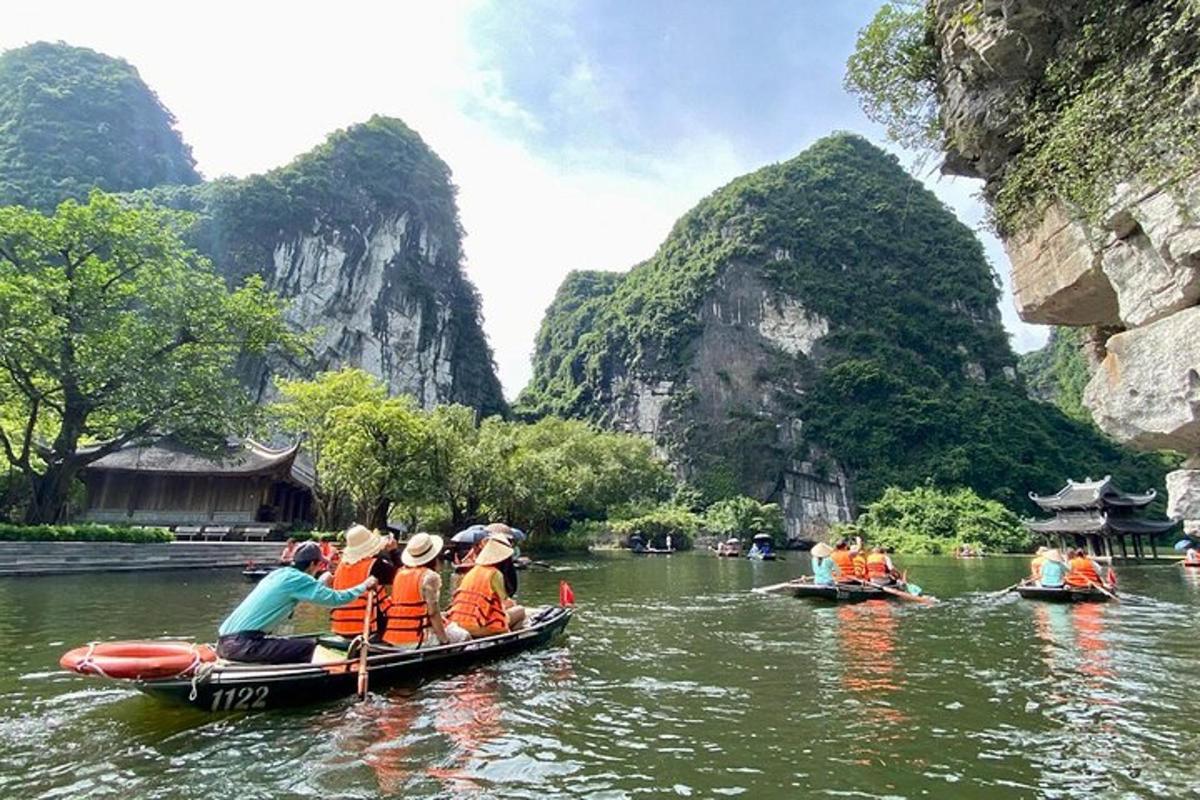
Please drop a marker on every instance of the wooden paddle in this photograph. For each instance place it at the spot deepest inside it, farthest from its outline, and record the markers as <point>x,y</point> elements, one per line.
<point>912,598</point>
<point>1007,590</point>
<point>779,587</point>
<point>365,646</point>
<point>1104,591</point>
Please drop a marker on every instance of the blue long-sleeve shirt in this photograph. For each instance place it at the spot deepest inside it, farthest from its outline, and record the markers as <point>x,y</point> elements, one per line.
<point>823,570</point>
<point>276,597</point>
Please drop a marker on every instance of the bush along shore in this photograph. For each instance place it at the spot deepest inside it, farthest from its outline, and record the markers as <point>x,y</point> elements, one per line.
<point>83,533</point>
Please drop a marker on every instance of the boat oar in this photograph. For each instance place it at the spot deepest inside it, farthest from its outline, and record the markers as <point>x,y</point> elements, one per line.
<point>780,587</point>
<point>365,646</point>
<point>912,598</point>
<point>1006,590</point>
<point>1104,591</point>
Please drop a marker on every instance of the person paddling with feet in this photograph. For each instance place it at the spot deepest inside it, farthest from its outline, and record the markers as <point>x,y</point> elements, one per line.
<point>245,634</point>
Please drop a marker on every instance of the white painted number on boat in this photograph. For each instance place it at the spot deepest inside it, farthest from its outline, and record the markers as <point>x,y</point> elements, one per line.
<point>242,699</point>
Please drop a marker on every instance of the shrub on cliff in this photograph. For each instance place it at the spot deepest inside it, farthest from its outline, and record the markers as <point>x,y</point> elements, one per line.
<point>933,521</point>
<point>744,517</point>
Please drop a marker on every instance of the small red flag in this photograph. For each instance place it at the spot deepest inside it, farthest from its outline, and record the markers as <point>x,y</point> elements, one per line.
<point>566,596</point>
<point>1112,578</point>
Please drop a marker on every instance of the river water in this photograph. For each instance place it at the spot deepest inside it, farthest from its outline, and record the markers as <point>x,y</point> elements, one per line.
<point>674,680</point>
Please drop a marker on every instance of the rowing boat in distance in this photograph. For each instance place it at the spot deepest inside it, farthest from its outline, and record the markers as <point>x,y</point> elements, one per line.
<point>842,592</point>
<point>1063,594</point>
<point>233,686</point>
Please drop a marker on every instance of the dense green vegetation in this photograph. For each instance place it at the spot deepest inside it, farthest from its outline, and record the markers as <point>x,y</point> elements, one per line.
<point>114,332</point>
<point>73,120</point>
<point>360,177</point>
<point>1058,373</point>
<point>913,382</point>
<point>1088,122</point>
<point>81,533</point>
<point>927,520</point>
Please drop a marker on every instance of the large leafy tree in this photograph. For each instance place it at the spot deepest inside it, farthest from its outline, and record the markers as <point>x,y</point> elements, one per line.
<point>115,332</point>
<point>377,456</point>
<point>305,409</point>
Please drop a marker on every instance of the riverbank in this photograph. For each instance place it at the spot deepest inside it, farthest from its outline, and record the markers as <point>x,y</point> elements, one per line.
<point>60,558</point>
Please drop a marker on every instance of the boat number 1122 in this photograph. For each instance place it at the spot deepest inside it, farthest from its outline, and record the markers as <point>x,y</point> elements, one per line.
<point>242,699</point>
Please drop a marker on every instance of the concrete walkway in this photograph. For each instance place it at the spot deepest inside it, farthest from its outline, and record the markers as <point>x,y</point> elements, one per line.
<point>58,558</point>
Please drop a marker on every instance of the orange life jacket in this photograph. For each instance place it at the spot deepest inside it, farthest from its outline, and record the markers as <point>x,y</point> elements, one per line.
<point>859,565</point>
<point>408,613</point>
<point>844,562</point>
<point>877,566</point>
<point>347,620</point>
<point>330,553</point>
<point>1082,572</point>
<point>476,606</point>
<point>1192,557</point>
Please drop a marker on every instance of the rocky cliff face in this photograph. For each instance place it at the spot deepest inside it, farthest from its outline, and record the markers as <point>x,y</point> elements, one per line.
<point>809,334</point>
<point>1118,245</point>
<point>361,236</point>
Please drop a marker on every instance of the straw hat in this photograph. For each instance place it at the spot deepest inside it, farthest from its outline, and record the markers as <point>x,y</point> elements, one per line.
<point>1053,555</point>
<point>821,550</point>
<point>361,543</point>
<point>498,530</point>
<point>493,552</point>
<point>1041,551</point>
<point>421,549</point>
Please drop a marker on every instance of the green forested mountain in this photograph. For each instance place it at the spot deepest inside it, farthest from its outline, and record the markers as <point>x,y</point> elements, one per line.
<point>362,234</point>
<point>824,322</point>
<point>1058,372</point>
<point>72,119</point>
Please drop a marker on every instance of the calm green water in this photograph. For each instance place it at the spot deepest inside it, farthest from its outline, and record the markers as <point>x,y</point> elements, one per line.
<point>674,680</point>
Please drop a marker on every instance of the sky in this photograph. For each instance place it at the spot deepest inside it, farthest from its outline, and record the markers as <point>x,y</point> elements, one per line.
<point>578,131</point>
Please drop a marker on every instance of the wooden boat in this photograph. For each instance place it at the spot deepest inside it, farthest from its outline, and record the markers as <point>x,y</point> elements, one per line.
<point>653,551</point>
<point>1190,564</point>
<point>843,592</point>
<point>730,548</point>
<point>231,686</point>
<point>1063,594</point>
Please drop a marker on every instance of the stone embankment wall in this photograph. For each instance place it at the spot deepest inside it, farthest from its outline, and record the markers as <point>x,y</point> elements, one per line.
<point>57,558</point>
<point>1133,272</point>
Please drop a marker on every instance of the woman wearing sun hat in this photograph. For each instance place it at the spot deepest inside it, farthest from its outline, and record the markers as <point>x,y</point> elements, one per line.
<point>481,604</point>
<point>825,569</point>
<point>413,618</point>
<point>366,553</point>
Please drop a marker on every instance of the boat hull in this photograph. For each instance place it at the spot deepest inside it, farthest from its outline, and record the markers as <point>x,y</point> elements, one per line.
<point>1062,595</point>
<point>254,687</point>
<point>841,593</point>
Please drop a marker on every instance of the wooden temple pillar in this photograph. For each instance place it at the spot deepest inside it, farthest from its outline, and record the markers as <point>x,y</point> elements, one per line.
<point>1153,547</point>
<point>1124,552</point>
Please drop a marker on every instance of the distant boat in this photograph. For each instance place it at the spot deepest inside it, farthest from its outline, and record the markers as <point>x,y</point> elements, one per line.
<point>762,548</point>
<point>730,548</point>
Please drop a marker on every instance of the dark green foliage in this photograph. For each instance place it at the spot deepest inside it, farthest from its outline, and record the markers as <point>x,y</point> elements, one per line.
<point>926,520</point>
<point>912,382</point>
<point>1058,373</point>
<point>72,119</point>
<point>81,533</point>
<point>361,176</point>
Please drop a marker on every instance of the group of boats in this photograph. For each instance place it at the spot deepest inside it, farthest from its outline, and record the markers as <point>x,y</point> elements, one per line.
<point>858,591</point>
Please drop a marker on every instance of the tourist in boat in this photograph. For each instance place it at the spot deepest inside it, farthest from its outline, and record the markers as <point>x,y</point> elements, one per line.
<point>414,618</point>
<point>329,552</point>
<point>1082,571</point>
<point>858,561</point>
<point>1035,566</point>
<point>481,604</point>
<point>289,550</point>
<point>825,570</point>
<point>1053,572</point>
<point>508,567</point>
<point>366,553</point>
<point>880,570</point>
<point>245,634</point>
<point>844,560</point>
<point>1192,556</point>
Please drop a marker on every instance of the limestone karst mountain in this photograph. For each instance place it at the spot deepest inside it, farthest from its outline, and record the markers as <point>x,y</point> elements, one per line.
<point>812,333</point>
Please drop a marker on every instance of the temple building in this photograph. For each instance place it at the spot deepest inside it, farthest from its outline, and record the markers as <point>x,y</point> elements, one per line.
<point>1099,517</point>
<point>168,484</point>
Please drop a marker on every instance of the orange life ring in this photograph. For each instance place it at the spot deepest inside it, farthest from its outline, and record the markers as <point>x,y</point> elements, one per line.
<point>137,660</point>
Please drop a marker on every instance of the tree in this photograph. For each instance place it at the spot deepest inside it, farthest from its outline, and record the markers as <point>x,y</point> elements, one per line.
<point>893,70</point>
<point>305,410</point>
<point>744,516</point>
<point>930,520</point>
<point>376,456</point>
<point>457,472</point>
<point>115,332</point>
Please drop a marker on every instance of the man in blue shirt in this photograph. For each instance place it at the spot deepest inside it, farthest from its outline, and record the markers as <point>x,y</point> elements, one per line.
<point>244,635</point>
